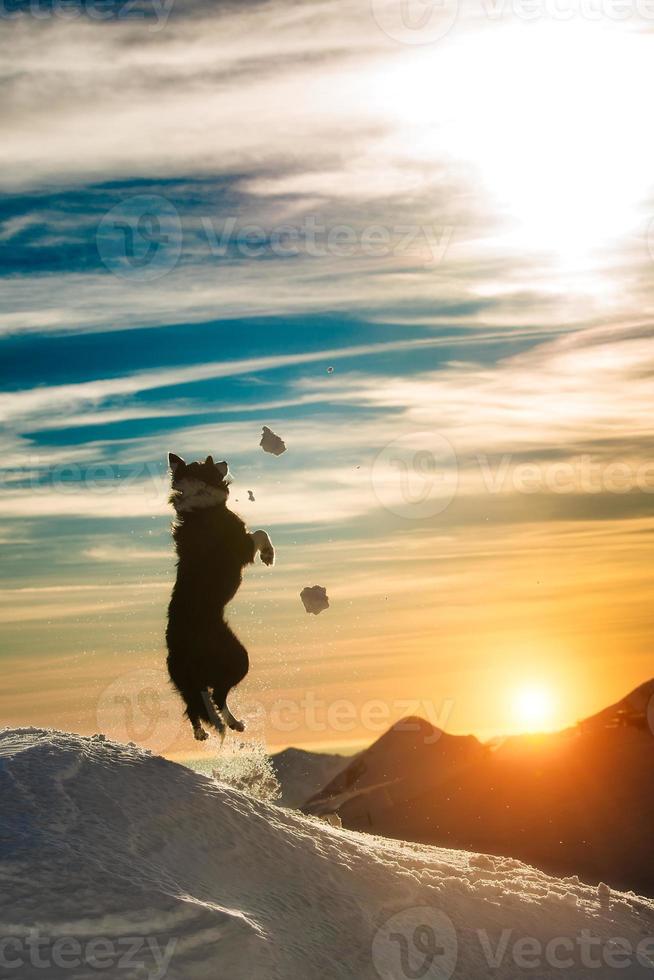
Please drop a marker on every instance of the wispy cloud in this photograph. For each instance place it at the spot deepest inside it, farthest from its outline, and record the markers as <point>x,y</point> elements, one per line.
<point>69,397</point>
<point>240,114</point>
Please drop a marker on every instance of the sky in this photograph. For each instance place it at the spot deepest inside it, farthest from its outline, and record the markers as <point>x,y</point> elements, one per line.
<point>417,241</point>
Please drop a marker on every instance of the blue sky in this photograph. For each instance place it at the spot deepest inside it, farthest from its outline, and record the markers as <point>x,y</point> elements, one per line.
<point>437,291</point>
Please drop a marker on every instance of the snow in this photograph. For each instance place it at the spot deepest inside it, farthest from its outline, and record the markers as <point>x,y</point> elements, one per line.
<point>314,599</point>
<point>272,443</point>
<point>117,852</point>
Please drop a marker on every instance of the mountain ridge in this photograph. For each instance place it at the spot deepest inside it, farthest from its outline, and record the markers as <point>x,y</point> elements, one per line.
<point>577,801</point>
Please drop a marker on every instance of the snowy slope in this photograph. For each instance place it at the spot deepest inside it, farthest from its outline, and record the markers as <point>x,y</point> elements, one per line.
<point>100,841</point>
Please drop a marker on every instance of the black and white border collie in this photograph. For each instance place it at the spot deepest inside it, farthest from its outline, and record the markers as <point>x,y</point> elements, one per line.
<point>213,545</point>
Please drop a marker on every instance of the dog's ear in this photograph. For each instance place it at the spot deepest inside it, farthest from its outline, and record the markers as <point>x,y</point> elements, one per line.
<point>176,463</point>
<point>209,460</point>
<point>222,468</point>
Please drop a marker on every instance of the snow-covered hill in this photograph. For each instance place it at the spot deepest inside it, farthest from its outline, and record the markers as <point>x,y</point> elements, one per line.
<point>111,857</point>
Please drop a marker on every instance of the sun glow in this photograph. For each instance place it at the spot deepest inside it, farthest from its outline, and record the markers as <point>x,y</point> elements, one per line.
<point>551,117</point>
<point>533,707</point>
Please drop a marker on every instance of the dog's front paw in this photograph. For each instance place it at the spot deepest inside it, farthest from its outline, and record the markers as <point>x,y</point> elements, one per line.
<point>268,555</point>
<point>264,546</point>
<point>200,734</point>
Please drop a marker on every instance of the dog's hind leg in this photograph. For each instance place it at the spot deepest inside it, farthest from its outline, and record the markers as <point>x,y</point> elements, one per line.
<point>220,700</point>
<point>213,716</point>
<point>199,733</point>
<point>198,711</point>
<point>234,723</point>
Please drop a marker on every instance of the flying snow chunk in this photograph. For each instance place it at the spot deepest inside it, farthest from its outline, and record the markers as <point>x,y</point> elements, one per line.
<point>250,495</point>
<point>315,599</point>
<point>271,443</point>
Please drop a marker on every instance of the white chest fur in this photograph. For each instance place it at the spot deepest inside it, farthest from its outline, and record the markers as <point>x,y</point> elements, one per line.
<point>196,495</point>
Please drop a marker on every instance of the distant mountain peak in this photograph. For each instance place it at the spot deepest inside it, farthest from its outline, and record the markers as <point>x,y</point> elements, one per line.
<point>415,724</point>
<point>632,709</point>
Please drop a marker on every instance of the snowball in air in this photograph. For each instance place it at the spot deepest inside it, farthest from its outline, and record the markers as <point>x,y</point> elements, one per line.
<point>271,443</point>
<point>314,598</point>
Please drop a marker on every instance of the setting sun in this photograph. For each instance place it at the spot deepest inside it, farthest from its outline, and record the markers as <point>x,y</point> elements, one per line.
<point>534,707</point>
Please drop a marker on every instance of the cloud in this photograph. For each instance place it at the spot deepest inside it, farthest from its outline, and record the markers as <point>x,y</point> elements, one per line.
<point>131,556</point>
<point>565,419</point>
<point>36,402</point>
<point>586,389</point>
<point>225,74</point>
<point>243,113</point>
<point>46,603</point>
